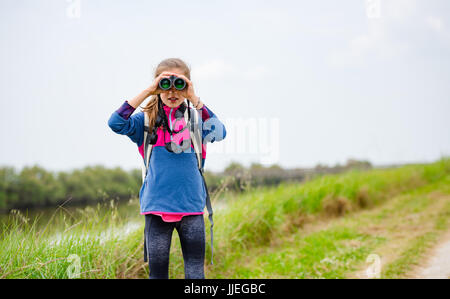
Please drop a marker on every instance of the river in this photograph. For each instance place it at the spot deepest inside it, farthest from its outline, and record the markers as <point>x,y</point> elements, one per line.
<point>58,217</point>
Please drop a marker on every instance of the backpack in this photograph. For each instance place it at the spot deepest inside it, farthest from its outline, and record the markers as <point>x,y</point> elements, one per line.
<point>196,138</point>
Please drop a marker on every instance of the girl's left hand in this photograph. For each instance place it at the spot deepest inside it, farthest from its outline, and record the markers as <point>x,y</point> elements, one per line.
<point>189,92</point>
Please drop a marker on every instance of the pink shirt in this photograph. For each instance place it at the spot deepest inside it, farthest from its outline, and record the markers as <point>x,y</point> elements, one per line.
<point>172,217</point>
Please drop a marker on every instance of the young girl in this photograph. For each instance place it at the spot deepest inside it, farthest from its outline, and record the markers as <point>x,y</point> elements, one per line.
<point>173,194</point>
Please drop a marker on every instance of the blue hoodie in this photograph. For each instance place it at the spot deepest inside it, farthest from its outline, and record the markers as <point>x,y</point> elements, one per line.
<point>173,183</point>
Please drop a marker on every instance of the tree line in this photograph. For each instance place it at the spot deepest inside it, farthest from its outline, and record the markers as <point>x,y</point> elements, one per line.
<point>34,186</point>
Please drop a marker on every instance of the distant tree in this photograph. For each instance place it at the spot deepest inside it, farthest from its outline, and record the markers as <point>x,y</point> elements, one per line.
<point>37,187</point>
<point>9,186</point>
<point>358,164</point>
<point>276,167</point>
<point>256,166</point>
<point>233,168</point>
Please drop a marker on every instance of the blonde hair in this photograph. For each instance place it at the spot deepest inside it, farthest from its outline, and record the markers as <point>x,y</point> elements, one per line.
<point>170,63</point>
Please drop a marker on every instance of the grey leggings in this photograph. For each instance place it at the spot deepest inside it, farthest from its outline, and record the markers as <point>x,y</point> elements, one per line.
<point>158,237</point>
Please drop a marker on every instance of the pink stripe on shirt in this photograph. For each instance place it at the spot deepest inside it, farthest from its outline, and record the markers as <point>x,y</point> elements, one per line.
<point>171,217</point>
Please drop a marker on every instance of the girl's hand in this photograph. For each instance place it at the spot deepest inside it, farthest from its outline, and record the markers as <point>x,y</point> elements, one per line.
<point>189,92</point>
<point>154,89</point>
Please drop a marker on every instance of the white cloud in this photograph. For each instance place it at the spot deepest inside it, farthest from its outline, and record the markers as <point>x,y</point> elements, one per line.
<point>380,41</point>
<point>218,68</point>
<point>213,69</point>
<point>375,44</point>
<point>263,22</point>
<point>401,10</point>
<point>435,23</point>
<point>255,73</point>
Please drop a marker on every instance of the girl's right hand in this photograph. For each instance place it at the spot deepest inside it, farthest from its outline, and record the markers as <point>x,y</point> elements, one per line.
<point>154,89</point>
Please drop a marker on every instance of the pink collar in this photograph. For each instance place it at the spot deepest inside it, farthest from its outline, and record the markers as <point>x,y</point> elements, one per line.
<point>167,108</point>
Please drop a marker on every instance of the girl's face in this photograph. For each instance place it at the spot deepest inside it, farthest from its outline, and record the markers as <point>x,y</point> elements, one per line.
<point>173,97</point>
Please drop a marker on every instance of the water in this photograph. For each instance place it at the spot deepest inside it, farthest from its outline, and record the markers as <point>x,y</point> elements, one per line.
<point>61,220</point>
<point>59,217</point>
<point>105,235</point>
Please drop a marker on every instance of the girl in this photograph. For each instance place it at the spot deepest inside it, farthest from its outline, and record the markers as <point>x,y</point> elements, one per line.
<point>173,193</point>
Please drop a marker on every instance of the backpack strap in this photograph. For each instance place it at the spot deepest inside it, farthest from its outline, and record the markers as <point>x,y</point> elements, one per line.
<point>147,147</point>
<point>196,137</point>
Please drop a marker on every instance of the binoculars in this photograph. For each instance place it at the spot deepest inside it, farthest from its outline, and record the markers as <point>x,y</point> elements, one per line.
<point>167,83</point>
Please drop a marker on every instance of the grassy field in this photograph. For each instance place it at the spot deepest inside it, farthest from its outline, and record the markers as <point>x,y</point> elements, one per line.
<point>324,228</point>
<point>398,232</point>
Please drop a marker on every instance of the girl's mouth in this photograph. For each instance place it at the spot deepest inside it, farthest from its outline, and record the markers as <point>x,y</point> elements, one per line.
<point>173,100</point>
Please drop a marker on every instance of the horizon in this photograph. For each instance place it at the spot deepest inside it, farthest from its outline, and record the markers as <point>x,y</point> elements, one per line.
<point>389,165</point>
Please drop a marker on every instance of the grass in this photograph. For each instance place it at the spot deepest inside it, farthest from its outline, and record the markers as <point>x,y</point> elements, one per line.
<point>258,217</point>
<point>339,247</point>
<point>81,248</point>
<point>293,230</point>
<point>324,254</point>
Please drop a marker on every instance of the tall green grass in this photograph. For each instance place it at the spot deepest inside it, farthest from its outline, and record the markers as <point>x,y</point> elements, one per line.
<point>92,247</point>
<point>254,218</point>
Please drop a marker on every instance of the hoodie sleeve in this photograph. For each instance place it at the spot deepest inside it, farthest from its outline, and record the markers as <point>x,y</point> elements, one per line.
<point>124,123</point>
<point>213,128</point>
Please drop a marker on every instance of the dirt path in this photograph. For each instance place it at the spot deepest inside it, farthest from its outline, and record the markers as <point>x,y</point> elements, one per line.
<point>409,224</point>
<point>438,263</point>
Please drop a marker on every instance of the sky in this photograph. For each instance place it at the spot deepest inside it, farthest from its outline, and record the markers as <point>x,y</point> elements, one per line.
<point>296,83</point>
